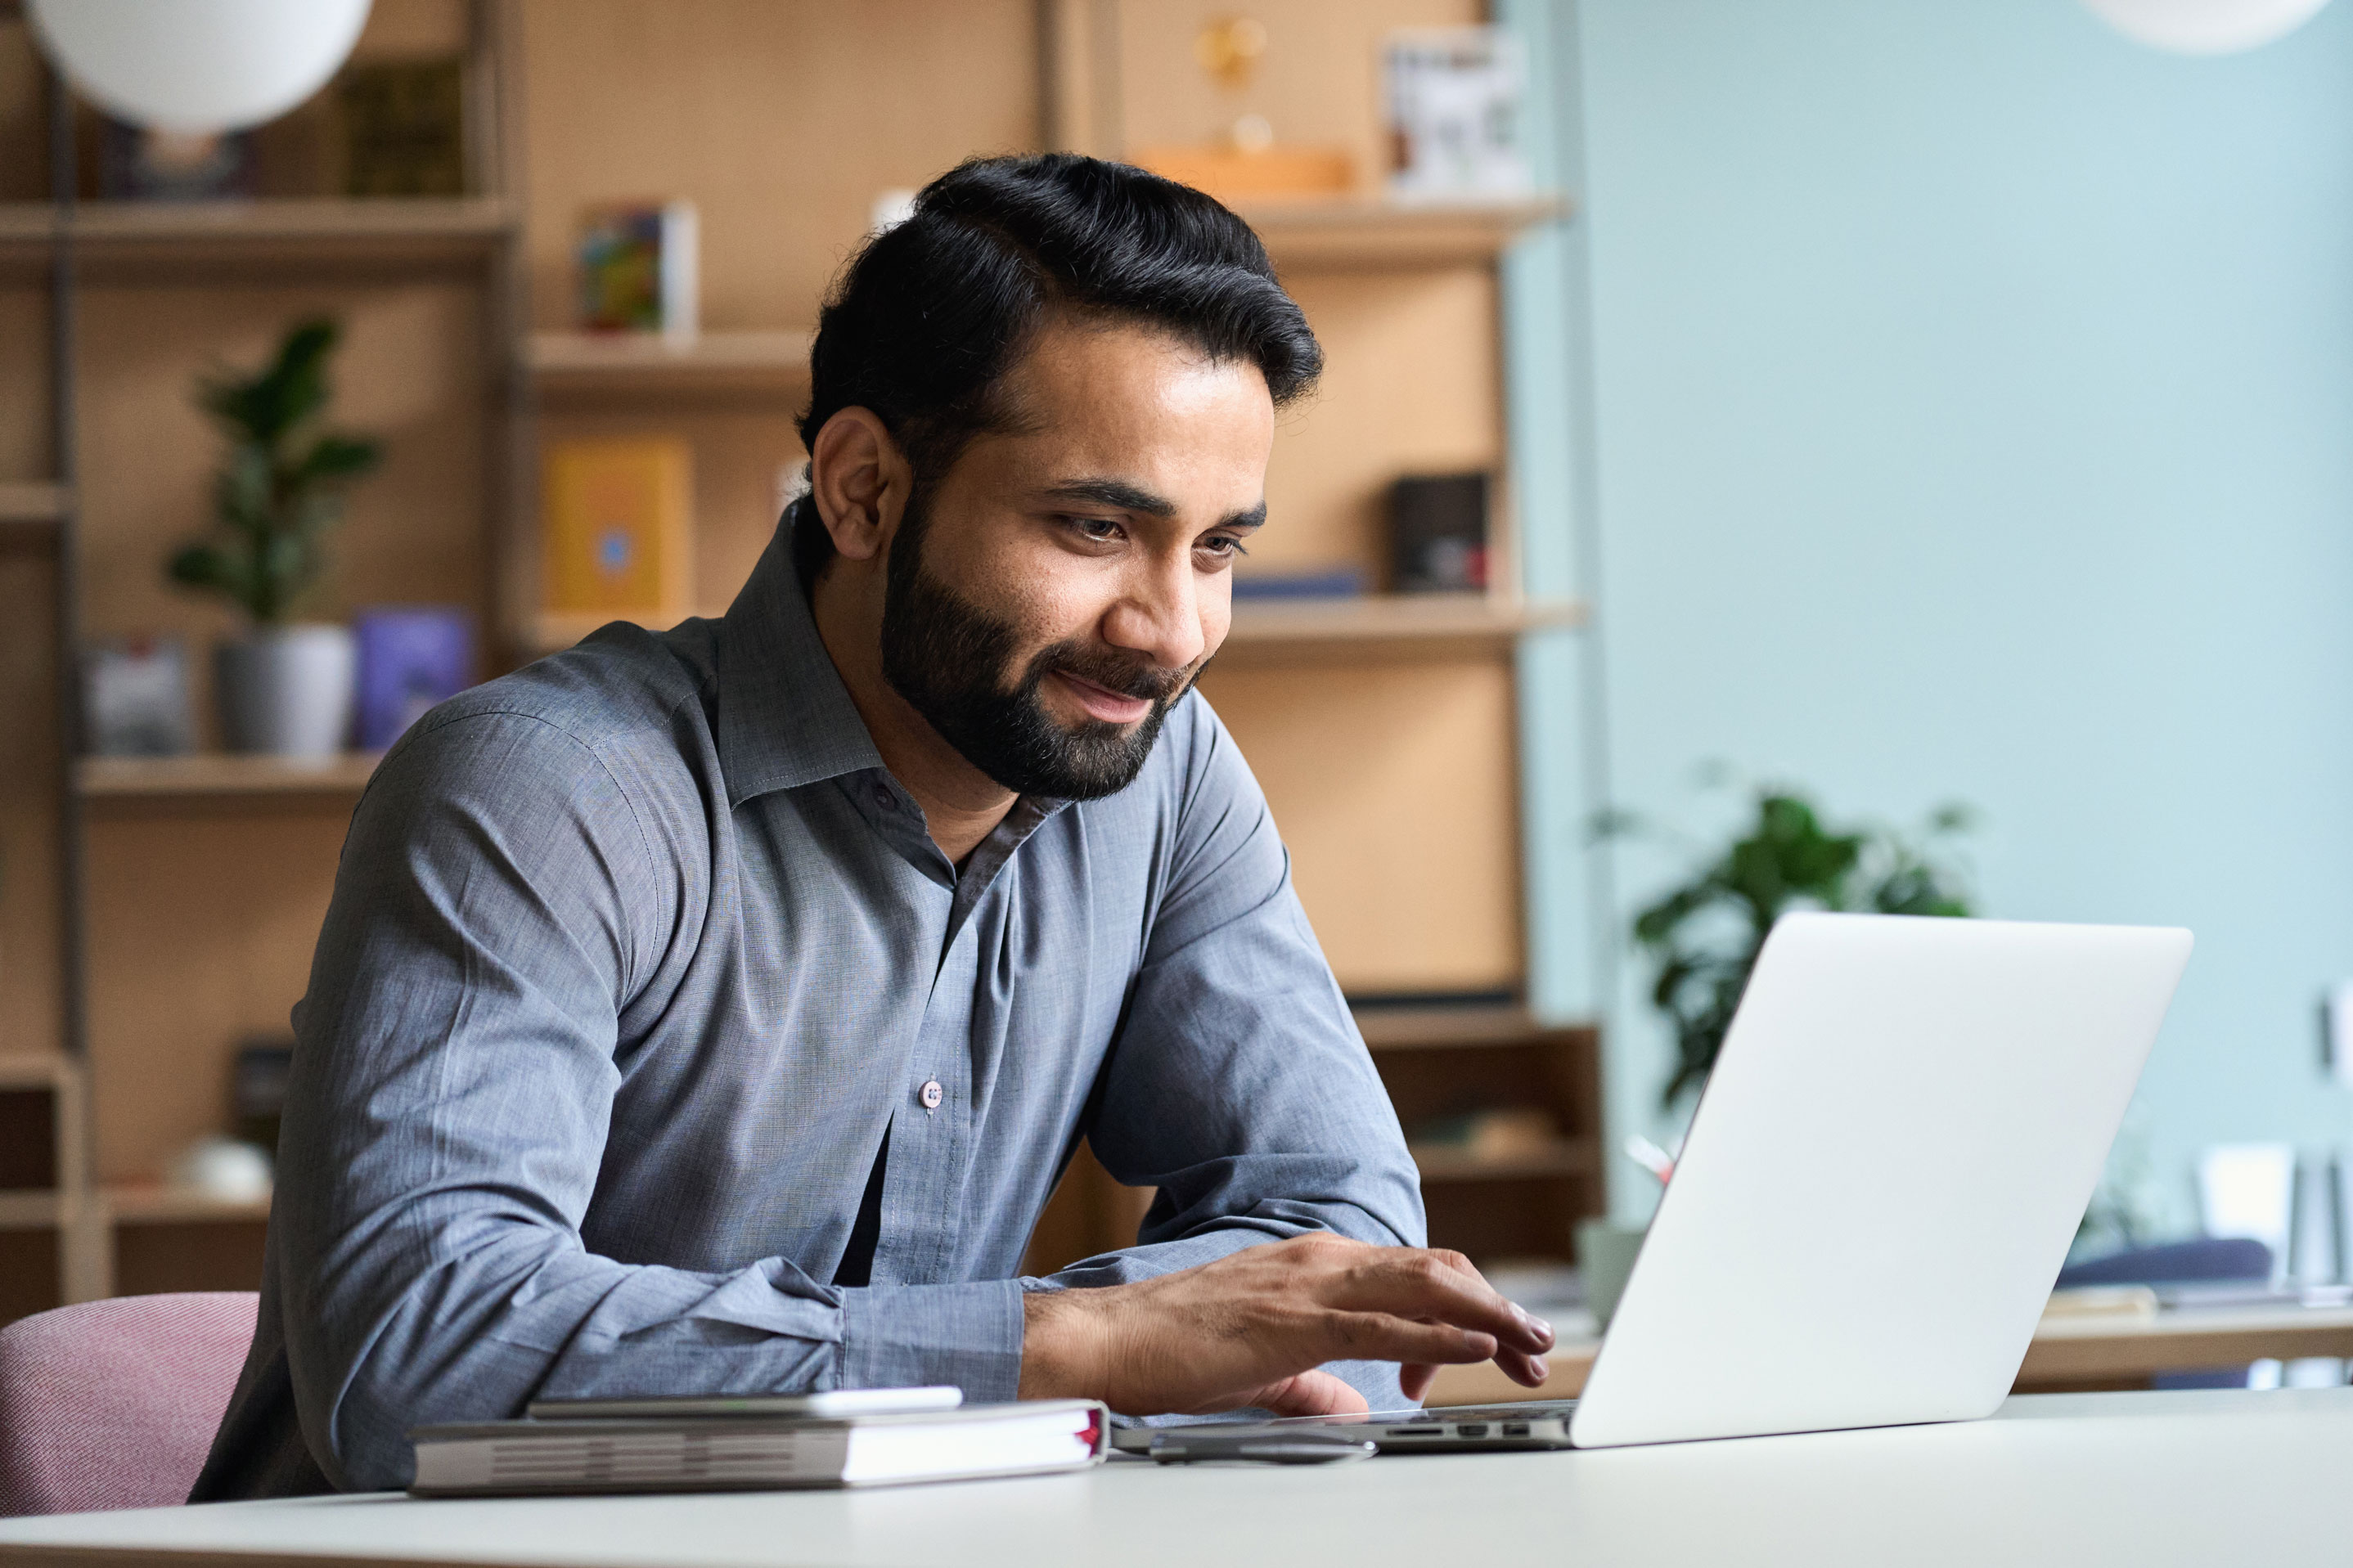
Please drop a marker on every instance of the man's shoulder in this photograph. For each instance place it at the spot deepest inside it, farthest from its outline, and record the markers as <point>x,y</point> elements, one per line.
<point>629,698</point>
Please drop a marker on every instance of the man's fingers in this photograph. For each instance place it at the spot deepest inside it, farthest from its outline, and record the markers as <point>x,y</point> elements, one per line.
<point>1414,1379</point>
<point>1309,1394</point>
<point>1417,1283</point>
<point>1376,1336</point>
<point>1527,1371</point>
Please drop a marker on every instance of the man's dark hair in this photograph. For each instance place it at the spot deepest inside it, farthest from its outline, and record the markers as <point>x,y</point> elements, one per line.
<point>926,320</point>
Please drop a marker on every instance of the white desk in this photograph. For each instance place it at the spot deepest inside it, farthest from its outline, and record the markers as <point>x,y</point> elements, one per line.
<point>2144,1479</point>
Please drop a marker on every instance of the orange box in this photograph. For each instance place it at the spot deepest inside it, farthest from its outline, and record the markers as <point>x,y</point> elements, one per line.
<point>1230,174</point>
<point>617,532</point>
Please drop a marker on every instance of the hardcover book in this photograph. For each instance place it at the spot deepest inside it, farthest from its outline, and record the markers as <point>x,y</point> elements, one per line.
<point>618,526</point>
<point>756,1452</point>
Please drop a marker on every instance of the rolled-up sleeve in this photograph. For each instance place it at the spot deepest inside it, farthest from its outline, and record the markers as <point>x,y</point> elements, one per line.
<point>497,903</point>
<point>1238,1086</point>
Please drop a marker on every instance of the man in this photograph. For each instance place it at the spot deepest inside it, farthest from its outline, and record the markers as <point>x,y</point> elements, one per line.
<point>714,1010</point>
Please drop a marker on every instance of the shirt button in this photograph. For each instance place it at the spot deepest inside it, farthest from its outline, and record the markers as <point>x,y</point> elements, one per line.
<point>930,1094</point>
<point>884,798</point>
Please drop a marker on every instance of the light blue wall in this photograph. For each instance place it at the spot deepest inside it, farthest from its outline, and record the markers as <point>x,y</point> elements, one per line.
<point>1972,416</point>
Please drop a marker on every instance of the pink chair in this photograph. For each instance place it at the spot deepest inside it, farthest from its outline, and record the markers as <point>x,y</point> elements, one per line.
<point>113,1404</point>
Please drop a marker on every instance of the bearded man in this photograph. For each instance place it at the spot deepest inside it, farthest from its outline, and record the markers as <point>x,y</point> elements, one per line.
<point>713,1010</point>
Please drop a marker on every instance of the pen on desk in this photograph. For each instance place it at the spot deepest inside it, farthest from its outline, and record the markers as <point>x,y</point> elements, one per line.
<point>1262,1448</point>
<point>1651,1157</point>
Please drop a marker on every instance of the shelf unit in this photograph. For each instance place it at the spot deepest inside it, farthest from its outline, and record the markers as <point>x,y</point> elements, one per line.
<point>1404,296</point>
<point>219,773</point>
<point>181,883</point>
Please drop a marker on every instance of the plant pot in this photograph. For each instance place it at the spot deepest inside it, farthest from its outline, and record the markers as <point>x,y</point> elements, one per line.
<point>286,691</point>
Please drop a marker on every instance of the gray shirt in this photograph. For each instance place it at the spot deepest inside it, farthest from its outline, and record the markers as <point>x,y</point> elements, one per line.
<point>635,957</point>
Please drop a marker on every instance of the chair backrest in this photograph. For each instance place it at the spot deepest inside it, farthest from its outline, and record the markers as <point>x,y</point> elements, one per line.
<point>113,1404</point>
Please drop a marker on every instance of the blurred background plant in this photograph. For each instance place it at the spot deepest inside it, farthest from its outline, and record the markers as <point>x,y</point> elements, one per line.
<point>280,487</point>
<point>1703,934</point>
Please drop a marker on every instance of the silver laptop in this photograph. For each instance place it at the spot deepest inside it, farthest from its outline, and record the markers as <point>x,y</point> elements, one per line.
<point>1885,1172</point>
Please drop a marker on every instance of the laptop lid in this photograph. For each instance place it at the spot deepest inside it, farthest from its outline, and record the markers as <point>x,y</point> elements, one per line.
<point>1885,1172</point>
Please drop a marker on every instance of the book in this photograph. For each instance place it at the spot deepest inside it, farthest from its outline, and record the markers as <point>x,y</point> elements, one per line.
<point>404,128</point>
<point>411,657</point>
<point>618,526</point>
<point>1455,119</point>
<point>640,268</point>
<point>742,1453</point>
<point>830,1405</point>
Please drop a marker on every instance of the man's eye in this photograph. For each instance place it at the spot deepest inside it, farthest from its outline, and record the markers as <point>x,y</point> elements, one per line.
<point>1223,546</point>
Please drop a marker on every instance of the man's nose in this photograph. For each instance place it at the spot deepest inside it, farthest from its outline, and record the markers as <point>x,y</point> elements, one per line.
<point>1159,617</point>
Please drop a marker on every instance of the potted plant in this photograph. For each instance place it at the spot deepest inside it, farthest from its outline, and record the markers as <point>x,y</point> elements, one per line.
<point>285,688</point>
<point>1705,935</point>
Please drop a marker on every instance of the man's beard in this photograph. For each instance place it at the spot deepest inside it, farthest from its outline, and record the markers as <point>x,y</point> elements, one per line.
<point>948,657</point>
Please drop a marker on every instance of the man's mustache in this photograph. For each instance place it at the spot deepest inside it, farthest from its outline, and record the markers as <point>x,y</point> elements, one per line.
<point>1114,672</point>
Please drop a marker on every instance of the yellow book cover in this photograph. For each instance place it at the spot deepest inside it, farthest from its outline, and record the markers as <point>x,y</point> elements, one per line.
<point>619,533</point>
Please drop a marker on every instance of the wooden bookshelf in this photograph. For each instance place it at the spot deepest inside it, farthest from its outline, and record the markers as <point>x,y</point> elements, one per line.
<point>1565,1157</point>
<point>648,364</point>
<point>286,231</point>
<point>222,773</point>
<point>153,1202</point>
<point>1372,232</point>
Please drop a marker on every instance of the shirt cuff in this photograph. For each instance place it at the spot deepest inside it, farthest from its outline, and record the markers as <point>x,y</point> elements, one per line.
<point>907,1336</point>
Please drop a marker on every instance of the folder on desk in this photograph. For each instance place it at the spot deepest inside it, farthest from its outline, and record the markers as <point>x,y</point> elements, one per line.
<point>734,1453</point>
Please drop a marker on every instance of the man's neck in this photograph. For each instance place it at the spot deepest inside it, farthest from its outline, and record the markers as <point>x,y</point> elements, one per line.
<point>962,806</point>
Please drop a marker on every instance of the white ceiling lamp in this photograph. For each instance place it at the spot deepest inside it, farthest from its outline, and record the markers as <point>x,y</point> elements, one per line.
<point>198,66</point>
<point>2205,27</point>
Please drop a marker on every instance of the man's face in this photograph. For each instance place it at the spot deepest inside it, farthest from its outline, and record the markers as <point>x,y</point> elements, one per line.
<point>1060,587</point>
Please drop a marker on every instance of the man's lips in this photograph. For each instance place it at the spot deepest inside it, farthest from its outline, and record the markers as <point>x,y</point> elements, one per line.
<point>1102,703</point>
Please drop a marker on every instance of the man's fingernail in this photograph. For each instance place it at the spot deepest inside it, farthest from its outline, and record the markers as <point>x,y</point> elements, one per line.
<point>1538,1324</point>
<point>1537,1366</point>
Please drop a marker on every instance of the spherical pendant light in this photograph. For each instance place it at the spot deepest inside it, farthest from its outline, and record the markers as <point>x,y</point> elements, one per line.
<point>2205,27</point>
<point>198,66</point>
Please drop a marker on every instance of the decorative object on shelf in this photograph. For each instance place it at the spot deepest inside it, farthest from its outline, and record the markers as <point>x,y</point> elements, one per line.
<point>404,128</point>
<point>222,1170</point>
<point>140,163</point>
<point>135,698</point>
<point>1245,158</point>
<point>1438,533</point>
<point>640,268</point>
<point>1706,934</point>
<point>1319,582</point>
<point>283,689</point>
<point>2205,27</point>
<point>1454,119</point>
<point>197,65</point>
<point>619,526</point>
<point>258,1092</point>
<point>410,658</point>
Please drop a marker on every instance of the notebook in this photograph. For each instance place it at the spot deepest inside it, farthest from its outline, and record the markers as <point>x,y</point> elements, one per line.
<point>745,1453</point>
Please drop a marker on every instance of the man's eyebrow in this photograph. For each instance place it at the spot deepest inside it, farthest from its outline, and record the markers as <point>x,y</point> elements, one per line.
<point>1136,498</point>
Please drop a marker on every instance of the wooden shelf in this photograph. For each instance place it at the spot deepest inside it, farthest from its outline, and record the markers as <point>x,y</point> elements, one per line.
<point>1373,232</point>
<point>1454,1028</point>
<point>29,516</point>
<point>1413,626</point>
<point>1568,1157</point>
<point>609,363</point>
<point>219,774</point>
<point>1270,631</point>
<point>35,1210</point>
<point>35,1070</point>
<point>399,230</point>
<point>151,1203</point>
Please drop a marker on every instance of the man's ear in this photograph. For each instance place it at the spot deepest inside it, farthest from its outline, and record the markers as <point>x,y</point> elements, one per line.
<point>859,480</point>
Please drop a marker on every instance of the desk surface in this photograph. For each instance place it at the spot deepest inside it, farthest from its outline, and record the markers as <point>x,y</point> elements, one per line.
<point>2075,1479</point>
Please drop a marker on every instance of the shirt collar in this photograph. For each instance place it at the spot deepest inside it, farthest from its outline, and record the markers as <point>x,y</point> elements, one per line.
<point>784,718</point>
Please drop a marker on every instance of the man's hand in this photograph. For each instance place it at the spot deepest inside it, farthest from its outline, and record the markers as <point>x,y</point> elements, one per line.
<point>1250,1328</point>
